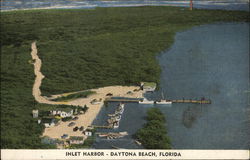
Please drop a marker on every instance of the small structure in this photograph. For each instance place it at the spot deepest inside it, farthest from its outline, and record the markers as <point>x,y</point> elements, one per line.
<point>39,121</point>
<point>95,101</point>
<point>35,113</point>
<point>49,122</point>
<point>48,140</point>
<point>62,112</point>
<point>76,140</point>
<point>148,86</point>
<point>88,133</point>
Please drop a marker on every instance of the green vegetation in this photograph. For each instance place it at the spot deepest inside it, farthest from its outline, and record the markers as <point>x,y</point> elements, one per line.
<point>87,143</point>
<point>154,133</point>
<point>84,49</point>
<point>72,96</point>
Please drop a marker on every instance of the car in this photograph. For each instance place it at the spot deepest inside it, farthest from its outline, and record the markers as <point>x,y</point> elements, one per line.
<point>64,136</point>
<point>75,118</point>
<point>81,128</point>
<point>75,129</point>
<point>71,124</point>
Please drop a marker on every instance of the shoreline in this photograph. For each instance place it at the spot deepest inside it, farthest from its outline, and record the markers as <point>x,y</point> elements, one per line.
<point>86,119</point>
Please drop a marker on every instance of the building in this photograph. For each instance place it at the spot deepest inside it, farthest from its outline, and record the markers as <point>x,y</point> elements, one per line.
<point>35,113</point>
<point>88,133</point>
<point>76,140</point>
<point>49,122</point>
<point>148,86</point>
<point>62,112</point>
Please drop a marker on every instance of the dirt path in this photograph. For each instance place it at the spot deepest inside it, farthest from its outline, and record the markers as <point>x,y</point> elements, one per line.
<point>85,119</point>
<point>39,77</point>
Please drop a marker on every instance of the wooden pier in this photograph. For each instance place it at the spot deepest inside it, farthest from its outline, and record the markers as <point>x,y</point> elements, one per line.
<point>122,100</point>
<point>192,101</point>
<point>107,127</point>
<point>201,101</point>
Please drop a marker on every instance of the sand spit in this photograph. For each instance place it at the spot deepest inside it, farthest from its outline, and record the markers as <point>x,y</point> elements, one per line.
<point>84,119</point>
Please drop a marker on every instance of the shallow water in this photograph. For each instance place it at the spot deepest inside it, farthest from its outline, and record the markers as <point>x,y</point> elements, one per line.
<point>61,4</point>
<point>209,61</point>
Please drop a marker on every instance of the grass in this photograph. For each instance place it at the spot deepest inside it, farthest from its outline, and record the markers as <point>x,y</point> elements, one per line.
<point>72,96</point>
<point>84,49</point>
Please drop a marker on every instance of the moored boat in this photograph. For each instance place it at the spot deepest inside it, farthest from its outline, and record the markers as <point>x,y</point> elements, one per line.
<point>145,101</point>
<point>164,102</point>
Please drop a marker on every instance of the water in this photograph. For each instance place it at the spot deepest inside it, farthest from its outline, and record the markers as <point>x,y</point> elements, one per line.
<point>209,61</point>
<point>86,4</point>
<point>132,120</point>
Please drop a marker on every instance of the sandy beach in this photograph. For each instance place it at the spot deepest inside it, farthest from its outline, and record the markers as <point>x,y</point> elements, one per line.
<point>84,119</point>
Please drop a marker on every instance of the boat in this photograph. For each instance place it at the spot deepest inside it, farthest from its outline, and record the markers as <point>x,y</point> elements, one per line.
<point>137,142</point>
<point>145,101</point>
<point>119,109</point>
<point>116,124</point>
<point>118,118</point>
<point>163,101</point>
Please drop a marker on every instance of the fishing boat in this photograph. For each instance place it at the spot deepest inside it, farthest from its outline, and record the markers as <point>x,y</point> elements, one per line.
<point>116,124</point>
<point>120,109</point>
<point>118,118</point>
<point>163,101</point>
<point>145,101</point>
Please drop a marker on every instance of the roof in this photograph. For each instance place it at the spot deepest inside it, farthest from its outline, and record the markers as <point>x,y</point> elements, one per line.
<point>79,138</point>
<point>47,120</point>
<point>149,84</point>
<point>63,109</point>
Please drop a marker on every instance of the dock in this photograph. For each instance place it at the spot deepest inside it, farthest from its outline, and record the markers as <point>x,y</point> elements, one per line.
<point>192,101</point>
<point>123,100</point>
<point>126,100</point>
<point>96,126</point>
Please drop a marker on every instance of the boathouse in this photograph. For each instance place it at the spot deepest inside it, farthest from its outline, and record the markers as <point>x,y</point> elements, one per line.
<point>76,140</point>
<point>148,86</point>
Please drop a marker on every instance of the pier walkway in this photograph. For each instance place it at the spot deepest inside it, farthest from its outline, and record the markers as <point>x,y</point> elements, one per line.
<point>127,100</point>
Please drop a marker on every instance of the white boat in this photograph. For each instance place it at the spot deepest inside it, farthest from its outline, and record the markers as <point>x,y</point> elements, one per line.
<point>116,124</point>
<point>145,101</point>
<point>120,109</point>
<point>164,102</point>
<point>118,118</point>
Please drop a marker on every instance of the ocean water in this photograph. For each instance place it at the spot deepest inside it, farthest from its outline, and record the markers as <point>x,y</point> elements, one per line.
<point>86,4</point>
<point>210,61</point>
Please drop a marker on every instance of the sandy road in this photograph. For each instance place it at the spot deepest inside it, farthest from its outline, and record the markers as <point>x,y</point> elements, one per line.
<point>85,119</point>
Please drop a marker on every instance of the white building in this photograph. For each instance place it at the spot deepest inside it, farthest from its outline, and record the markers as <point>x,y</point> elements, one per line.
<point>76,140</point>
<point>87,133</point>
<point>49,122</point>
<point>35,113</point>
<point>64,112</point>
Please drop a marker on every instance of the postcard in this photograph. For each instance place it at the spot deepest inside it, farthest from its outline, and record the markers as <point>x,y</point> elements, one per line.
<point>125,79</point>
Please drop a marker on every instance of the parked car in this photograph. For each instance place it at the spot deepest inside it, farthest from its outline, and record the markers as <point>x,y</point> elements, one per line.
<point>64,136</point>
<point>71,124</point>
<point>75,118</point>
<point>75,129</point>
<point>81,128</point>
